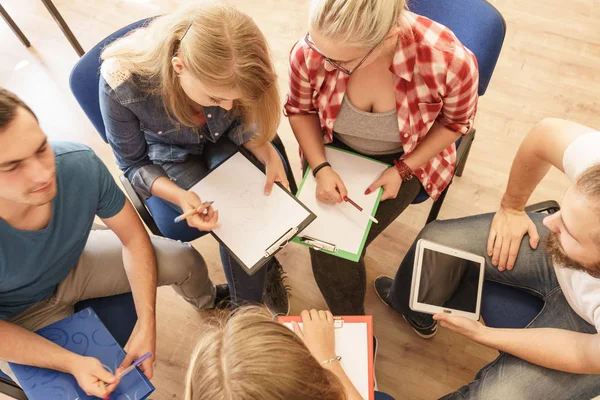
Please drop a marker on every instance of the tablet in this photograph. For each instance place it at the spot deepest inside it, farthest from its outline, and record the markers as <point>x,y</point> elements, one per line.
<point>446,280</point>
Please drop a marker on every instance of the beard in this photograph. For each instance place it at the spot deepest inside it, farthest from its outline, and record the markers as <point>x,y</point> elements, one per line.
<point>559,257</point>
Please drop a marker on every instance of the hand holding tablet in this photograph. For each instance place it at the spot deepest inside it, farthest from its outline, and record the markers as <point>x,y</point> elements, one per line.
<point>446,280</point>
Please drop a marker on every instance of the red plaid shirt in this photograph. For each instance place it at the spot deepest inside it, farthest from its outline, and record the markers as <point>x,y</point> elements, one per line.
<point>435,78</point>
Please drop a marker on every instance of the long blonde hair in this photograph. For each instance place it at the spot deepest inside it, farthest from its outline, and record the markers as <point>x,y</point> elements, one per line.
<point>247,355</point>
<point>222,47</point>
<point>362,23</point>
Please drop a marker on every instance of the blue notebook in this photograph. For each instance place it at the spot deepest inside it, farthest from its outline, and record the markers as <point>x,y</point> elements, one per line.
<point>82,333</point>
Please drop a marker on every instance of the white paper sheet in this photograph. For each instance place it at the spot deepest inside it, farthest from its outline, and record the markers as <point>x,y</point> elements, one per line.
<point>351,343</point>
<point>250,221</point>
<point>342,224</point>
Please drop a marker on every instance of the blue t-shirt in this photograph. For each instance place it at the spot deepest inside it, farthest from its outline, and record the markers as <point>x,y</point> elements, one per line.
<point>33,263</point>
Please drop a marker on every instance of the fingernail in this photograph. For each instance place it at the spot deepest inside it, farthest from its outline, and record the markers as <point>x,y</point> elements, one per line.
<point>345,198</point>
<point>368,191</point>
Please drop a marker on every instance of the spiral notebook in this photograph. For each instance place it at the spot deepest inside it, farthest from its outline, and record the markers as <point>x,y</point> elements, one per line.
<point>82,333</point>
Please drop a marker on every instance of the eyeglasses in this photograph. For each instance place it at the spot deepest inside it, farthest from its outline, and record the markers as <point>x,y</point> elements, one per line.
<point>336,64</point>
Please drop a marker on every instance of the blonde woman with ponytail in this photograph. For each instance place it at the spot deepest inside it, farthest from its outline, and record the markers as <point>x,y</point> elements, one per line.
<point>178,96</point>
<point>247,355</point>
<point>373,78</point>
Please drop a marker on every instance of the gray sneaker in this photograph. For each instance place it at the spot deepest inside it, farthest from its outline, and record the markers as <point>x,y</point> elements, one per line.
<point>276,291</point>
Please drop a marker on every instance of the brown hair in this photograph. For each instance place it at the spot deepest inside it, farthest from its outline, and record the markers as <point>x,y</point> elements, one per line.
<point>588,183</point>
<point>245,354</point>
<point>9,103</point>
<point>222,47</point>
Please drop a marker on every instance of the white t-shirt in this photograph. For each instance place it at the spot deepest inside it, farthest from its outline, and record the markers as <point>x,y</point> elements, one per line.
<point>581,290</point>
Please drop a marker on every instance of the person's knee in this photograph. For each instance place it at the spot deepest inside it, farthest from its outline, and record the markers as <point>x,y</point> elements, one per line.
<point>437,231</point>
<point>176,261</point>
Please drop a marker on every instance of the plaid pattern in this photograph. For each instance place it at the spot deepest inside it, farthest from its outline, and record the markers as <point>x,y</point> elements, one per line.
<point>436,79</point>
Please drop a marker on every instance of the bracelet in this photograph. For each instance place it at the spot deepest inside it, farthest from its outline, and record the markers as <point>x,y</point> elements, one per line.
<point>331,360</point>
<point>404,170</point>
<point>320,167</point>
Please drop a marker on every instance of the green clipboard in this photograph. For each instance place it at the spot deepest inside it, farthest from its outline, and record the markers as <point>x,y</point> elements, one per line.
<point>331,248</point>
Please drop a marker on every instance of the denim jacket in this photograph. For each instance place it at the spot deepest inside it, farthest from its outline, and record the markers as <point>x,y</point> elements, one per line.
<point>143,137</point>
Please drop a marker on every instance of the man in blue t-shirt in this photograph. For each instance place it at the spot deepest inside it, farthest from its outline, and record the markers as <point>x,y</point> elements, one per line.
<point>50,258</point>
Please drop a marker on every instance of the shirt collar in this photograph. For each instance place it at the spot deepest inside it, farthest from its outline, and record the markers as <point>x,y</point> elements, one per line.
<point>403,64</point>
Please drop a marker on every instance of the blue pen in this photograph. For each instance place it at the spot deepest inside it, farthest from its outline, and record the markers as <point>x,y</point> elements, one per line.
<point>188,214</point>
<point>134,364</point>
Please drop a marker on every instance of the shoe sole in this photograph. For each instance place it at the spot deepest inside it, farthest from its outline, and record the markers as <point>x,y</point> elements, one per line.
<point>419,333</point>
<point>403,316</point>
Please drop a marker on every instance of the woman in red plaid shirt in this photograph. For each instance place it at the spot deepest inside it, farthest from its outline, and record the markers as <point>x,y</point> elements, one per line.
<point>374,78</point>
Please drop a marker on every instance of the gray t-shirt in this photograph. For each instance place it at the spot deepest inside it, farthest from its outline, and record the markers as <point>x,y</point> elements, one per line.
<point>33,263</point>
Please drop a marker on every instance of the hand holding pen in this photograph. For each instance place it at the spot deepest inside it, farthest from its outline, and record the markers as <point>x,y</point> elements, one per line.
<point>197,214</point>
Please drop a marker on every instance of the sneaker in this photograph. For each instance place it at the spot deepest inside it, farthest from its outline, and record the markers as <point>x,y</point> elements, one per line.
<point>383,285</point>
<point>276,291</point>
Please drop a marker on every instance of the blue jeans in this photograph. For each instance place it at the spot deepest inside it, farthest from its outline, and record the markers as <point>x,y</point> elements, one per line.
<point>507,377</point>
<point>243,287</point>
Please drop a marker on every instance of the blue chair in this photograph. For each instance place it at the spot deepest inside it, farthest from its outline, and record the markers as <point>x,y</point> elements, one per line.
<point>481,28</point>
<point>84,82</point>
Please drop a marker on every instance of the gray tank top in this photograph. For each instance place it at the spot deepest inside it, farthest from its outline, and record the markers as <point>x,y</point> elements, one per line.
<point>366,132</point>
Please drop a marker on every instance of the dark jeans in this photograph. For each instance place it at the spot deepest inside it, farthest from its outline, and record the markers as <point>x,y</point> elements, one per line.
<point>343,283</point>
<point>242,286</point>
<point>507,377</point>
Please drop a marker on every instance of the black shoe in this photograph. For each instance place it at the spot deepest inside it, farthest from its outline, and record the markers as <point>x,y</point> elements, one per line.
<point>223,298</point>
<point>276,291</point>
<point>383,285</point>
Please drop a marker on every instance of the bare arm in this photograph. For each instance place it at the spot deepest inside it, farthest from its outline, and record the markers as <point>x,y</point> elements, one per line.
<point>559,349</point>
<point>543,147</point>
<point>21,346</point>
<point>139,260</point>
<point>307,129</point>
<point>579,352</point>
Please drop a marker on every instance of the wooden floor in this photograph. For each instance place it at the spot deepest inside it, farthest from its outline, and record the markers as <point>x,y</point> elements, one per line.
<point>549,66</point>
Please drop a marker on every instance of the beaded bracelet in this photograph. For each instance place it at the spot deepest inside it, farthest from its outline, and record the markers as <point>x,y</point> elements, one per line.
<point>332,359</point>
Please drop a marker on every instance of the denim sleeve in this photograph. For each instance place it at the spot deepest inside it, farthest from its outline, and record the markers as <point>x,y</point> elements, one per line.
<point>128,142</point>
<point>239,135</point>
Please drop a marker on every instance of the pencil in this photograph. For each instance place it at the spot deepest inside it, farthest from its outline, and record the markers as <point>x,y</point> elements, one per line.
<point>188,214</point>
<point>359,208</point>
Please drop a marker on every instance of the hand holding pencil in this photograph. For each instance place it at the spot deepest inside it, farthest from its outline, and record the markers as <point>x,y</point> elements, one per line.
<point>197,214</point>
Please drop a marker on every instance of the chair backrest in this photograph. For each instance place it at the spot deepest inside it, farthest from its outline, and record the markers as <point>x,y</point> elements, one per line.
<point>85,77</point>
<point>476,23</point>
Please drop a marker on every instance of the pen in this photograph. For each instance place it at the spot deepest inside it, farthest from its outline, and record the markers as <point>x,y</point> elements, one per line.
<point>134,364</point>
<point>188,214</point>
<point>359,208</point>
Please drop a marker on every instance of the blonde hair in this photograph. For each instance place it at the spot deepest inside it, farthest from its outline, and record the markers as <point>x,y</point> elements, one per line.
<point>363,23</point>
<point>245,355</point>
<point>220,46</point>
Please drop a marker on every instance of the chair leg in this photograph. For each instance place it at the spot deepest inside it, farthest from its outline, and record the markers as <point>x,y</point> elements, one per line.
<point>63,26</point>
<point>14,27</point>
<point>140,206</point>
<point>11,389</point>
<point>290,175</point>
<point>460,167</point>
<point>436,207</point>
